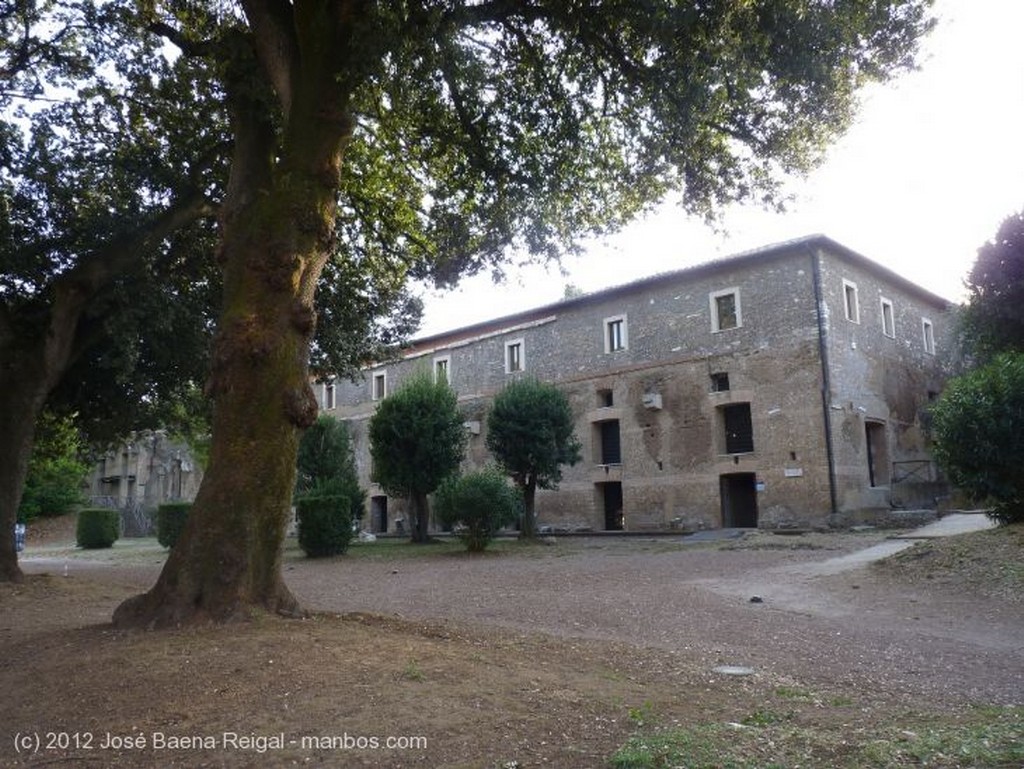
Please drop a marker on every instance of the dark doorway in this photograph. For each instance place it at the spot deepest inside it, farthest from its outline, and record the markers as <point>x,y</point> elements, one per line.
<point>379,514</point>
<point>739,500</point>
<point>611,497</point>
<point>878,453</point>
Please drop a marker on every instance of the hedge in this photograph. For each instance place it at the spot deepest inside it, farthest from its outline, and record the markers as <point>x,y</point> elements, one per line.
<point>98,527</point>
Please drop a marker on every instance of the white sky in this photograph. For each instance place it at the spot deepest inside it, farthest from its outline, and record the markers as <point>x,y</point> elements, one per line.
<point>930,169</point>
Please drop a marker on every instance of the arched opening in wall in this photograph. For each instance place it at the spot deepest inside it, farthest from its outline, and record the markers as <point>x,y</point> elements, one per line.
<point>739,500</point>
<point>379,514</point>
<point>610,494</point>
<point>878,454</point>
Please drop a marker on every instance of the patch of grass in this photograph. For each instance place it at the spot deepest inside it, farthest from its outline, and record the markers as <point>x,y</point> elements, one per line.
<point>982,737</point>
<point>412,672</point>
<point>766,717</point>
<point>793,693</point>
<point>989,562</point>
<point>642,715</point>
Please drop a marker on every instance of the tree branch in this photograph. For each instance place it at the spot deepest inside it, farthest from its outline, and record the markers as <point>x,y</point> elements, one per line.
<point>277,48</point>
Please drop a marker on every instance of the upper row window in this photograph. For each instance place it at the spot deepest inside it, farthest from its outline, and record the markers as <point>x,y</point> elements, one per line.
<point>888,319</point>
<point>725,310</point>
<point>515,356</point>
<point>928,336</point>
<point>615,334</point>
<point>379,385</point>
<point>442,369</point>
<point>851,302</point>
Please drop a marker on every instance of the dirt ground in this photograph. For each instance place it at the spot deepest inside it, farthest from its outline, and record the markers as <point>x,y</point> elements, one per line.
<point>544,655</point>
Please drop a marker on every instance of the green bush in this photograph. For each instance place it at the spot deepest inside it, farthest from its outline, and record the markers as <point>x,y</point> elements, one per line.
<point>978,428</point>
<point>98,527</point>
<point>477,505</point>
<point>170,522</point>
<point>325,525</point>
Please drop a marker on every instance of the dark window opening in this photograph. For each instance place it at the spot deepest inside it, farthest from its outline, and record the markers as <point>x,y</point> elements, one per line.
<point>739,429</point>
<point>720,382</point>
<point>605,398</point>
<point>878,454</point>
<point>611,444</point>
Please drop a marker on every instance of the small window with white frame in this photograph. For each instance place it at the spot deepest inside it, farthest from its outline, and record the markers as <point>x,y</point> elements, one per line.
<point>851,302</point>
<point>515,356</point>
<point>928,336</point>
<point>329,401</point>
<point>888,318</point>
<point>443,369</point>
<point>379,385</point>
<point>616,334</point>
<point>725,309</point>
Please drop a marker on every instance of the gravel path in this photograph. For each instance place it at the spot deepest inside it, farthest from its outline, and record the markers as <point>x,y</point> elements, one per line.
<point>843,629</point>
<point>825,617</point>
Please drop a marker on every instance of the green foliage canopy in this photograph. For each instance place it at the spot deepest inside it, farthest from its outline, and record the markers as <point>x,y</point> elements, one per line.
<point>978,426</point>
<point>57,470</point>
<point>327,464</point>
<point>417,439</point>
<point>530,432</point>
<point>994,317</point>
<point>478,505</point>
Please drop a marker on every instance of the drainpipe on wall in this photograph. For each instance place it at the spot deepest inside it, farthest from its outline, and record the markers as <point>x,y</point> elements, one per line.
<point>826,381</point>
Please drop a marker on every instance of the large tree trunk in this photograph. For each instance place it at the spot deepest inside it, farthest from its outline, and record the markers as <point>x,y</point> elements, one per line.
<point>20,407</point>
<point>277,225</point>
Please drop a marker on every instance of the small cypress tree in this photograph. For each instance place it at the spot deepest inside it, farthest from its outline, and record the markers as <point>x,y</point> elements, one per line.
<point>325,525</point>
<point>530,433</point>
<point>417,439</point>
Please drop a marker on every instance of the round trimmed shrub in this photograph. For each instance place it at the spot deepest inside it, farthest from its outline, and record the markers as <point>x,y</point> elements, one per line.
<point>170,522</point>
<point>325,525</point>
<point>98,527</point>
<point>477,505</point>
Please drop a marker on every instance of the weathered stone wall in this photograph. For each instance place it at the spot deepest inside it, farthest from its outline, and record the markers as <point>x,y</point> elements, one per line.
<point>674,458</point>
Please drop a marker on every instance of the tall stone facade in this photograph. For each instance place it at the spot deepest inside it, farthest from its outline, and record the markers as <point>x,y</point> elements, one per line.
<point>783,387</point>
<point>145,471</point>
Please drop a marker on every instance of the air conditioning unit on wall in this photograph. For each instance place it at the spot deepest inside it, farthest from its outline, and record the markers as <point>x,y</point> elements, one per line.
<point>652,401</point>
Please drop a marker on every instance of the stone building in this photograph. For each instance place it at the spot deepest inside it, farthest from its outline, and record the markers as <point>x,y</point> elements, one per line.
<point>141,473</point>
<point>782,387</point>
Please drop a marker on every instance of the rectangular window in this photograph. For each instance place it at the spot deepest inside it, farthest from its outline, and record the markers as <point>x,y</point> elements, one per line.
<point>442,369</point>
<point>611,443</point>
<point>850,301</point>
<point>615,337</point>
<point>720,382</point>
<point>380,385</point>
<point>888,319</point>
<point>515,359</point>
<point>725,310</point>
<point>928,336</point>
<point>605,398</point>
<point>739,428</point>
<point>329,396</point>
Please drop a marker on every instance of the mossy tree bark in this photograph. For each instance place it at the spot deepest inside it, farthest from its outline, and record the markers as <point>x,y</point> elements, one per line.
<point>277,226</point>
